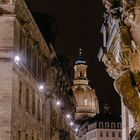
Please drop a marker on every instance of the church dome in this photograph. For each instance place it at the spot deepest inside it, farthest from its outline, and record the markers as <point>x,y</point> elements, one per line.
<point>86,99</point>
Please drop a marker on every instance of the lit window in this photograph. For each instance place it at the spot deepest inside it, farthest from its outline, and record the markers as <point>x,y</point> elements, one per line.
<point>85,101</point>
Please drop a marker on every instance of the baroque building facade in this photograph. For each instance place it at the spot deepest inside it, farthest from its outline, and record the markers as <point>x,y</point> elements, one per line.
<point>120,54</point>
<point>32,80</point>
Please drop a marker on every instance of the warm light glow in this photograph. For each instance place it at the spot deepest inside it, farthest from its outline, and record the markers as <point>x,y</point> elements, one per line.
<point>68,116</point>
<point>71,123</point>
<point>58,103</point>
<point>17,59</point>
<point>76,129</point>
<point>41,87</point>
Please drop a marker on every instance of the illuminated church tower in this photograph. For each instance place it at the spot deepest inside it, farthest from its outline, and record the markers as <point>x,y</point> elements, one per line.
<point>86,100</point>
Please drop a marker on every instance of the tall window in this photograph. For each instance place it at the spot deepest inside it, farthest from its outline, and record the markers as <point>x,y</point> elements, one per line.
<point>107,134</point>
<point>85,101</point>
<point>19,135</point>
<point>27,99</point>
<point>81,74</point>
<point>38,137</point>
<point>106,125</point>
<point>34,63</point>
<point>20,92</point>
<point>119,125</point>
<point>43,108</point>
<point>33,102</point>
<point>29,54</point>
<point>25,51</point>
<point>113,125</point>
<point>113,134</point>
<point>119,134</point>
<point>38,106</point>
<point>101,133</point>
<point>21,40</point>
<point>100,124</point>
<point>26,136</point>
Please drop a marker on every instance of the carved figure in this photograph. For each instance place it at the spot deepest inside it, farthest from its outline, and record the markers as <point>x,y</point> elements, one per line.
<point>125,85</point>
<point>127,73</point>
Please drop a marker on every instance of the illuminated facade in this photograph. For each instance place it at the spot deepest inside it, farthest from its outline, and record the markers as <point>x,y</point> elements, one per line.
<point>86,100</point>
<point>120,54</point>
<point>32,80</point>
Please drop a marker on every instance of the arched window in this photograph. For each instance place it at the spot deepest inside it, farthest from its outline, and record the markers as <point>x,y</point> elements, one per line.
<point>113,126</point>
<point>107,125</point>
<point>81,74</point>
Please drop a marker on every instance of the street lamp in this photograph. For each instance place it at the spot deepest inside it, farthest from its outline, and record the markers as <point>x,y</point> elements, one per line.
<point>41,87</point>
<point>17,59</point>
<point>58,103</point>
<point>76,129</point>
<point>68,116</point>
<point>71,123</point>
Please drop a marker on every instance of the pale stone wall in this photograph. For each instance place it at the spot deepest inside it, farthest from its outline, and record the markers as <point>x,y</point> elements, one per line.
<point>6,66</point>
<point>23,118</point>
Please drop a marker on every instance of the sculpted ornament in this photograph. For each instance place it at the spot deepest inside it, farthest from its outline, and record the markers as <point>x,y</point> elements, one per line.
<point>127,72</point>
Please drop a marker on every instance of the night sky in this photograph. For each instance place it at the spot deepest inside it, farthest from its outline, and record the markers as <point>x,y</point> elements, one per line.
<point>79,23</point>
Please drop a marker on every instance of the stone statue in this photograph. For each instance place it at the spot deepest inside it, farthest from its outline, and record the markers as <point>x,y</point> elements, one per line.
<point>127,81</point>
<point>125,85</point>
